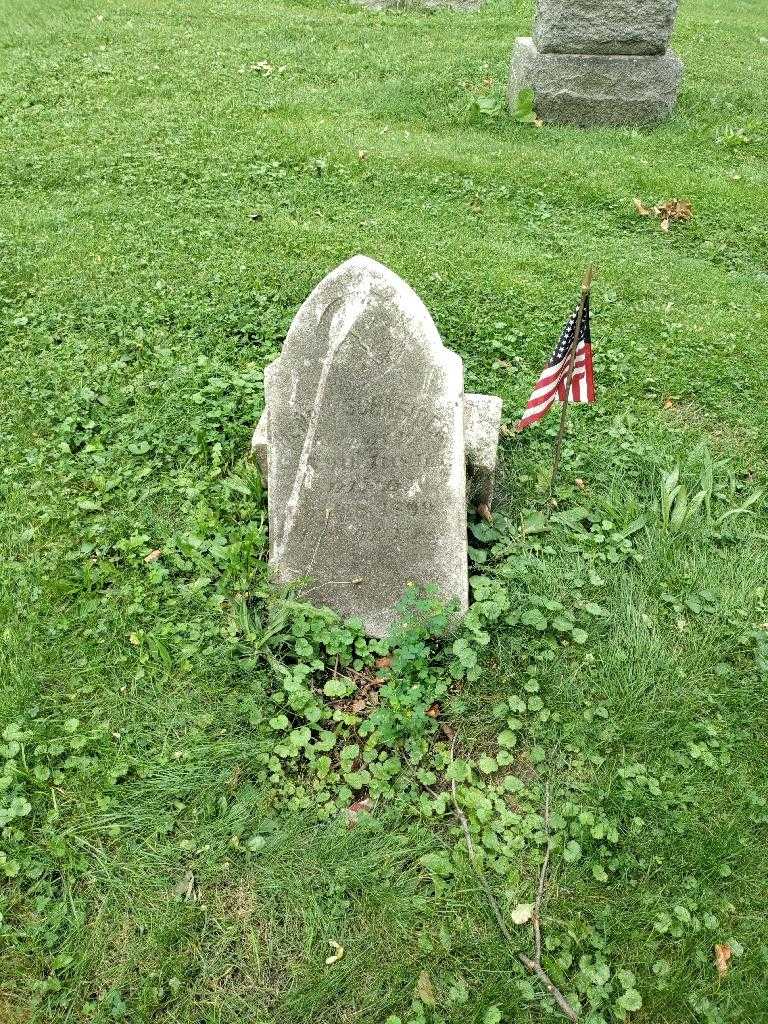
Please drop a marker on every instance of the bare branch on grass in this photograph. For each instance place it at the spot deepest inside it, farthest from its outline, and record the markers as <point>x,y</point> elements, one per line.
<point>531,965</point>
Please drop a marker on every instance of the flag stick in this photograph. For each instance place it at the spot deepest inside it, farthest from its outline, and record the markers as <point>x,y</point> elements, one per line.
<point>586,284</point>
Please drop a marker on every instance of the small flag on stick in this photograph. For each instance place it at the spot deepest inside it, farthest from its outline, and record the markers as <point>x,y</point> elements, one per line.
<point>569,376</point>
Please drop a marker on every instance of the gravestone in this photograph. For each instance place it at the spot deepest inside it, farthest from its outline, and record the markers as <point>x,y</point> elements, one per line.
<point>604,26</point>
<point>465,6</point>
<point>362,443</point>
<point>599,62</point>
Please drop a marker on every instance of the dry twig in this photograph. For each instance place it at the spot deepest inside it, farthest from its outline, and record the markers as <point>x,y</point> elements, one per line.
<point>531,965</point>
<point>542,879</point>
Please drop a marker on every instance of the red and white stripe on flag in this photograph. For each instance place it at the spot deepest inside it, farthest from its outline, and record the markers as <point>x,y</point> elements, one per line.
<point>551,385</point>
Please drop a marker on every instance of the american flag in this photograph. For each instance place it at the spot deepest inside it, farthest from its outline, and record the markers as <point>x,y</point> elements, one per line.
<point>551,385</point>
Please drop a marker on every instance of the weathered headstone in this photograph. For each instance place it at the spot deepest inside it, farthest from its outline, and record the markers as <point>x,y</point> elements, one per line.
<point>362,442</point>
<point>599,62</point>
<point>604,26</point>
<point>466,6</point>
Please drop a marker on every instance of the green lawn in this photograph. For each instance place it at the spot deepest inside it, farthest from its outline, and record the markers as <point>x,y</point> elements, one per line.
<point>175,178</point>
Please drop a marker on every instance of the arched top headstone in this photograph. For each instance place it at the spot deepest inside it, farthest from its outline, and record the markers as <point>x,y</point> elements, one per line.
<point>366,438</point>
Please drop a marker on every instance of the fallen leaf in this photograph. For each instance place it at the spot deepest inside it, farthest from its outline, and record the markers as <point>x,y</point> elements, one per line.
<point>153,555</point>
<point>186,888</point>
<point>359,706</point>
<point>723,954</point>
<point>675,209</point>
<point>424,990</point>
<point>434,711</point>
<point>337,954</point>
<point>669,404</point>
<point>485,513</point>
<point>522,913</point>
<point>383,663</point>
<point>671,210</point>
<point>360,805</point>
<point>580,483</point>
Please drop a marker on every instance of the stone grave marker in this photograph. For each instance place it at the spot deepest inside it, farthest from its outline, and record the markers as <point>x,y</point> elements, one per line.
<point>595,62</point>
<point>464,6</point>
<point>362,443</point>
<point>640,27</point>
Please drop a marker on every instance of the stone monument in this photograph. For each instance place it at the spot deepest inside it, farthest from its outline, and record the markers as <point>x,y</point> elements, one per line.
<point>366,441</point>
<point>599,62</point>
<point>466,6</point>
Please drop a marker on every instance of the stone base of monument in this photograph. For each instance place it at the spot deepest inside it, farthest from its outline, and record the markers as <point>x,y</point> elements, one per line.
<point>595,89</point>
<point>482,424</point>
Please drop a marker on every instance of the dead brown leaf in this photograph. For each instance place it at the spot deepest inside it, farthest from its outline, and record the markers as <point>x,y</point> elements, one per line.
<point>675,209</point>
<point>356,809</point>
<point>361,805</point>
<point>723,954</point>
<point>383,663</point>
<point>366,695</point>
<point>424,989</point>
<point>434,711</point>
<point>671,210</point>
<point>153,555</point>
<point>485,513</point>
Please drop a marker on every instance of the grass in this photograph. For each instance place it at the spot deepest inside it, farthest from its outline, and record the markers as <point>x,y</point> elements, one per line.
<point>168,202</point>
